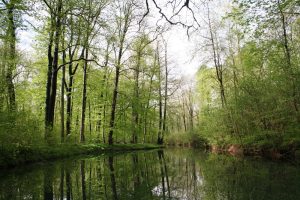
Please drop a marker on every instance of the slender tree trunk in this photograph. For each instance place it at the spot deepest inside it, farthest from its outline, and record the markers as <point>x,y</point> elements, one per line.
<point>2,82</point>
<point>183,116</point>
<point>71,74</point>
<point>165,97</point>
<point>147,106</point>
<point>69,102</point>
<point>216,58</point>
<point>90,118</point>
<point>135,103</point>
<point>101,113</point>
<point>159,137</point>
<point>113,106</point>
<point>62,101</point>
<point>104,122</point>
<point>83,108</point>
<point>191,110</point>
<point>62,95</point>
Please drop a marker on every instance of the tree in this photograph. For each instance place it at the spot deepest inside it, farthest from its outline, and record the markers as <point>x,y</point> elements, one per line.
<point>123,22</point>
<point>11,20</point>
<point>216,56</point>
<point>92,20</point>
<point>141,51</point>
<point>55,10</point>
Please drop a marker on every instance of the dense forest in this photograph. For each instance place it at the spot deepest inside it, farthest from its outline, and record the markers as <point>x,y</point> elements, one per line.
<point>99,71</point>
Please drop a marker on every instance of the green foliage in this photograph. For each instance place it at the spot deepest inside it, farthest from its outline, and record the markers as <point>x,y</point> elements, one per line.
<point>259,107</point>
<point>186,139</point>
<point>20,129</point>
<point>261,79</point>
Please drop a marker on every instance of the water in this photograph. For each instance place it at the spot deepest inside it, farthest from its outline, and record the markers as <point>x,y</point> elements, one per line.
<point>168,174</point>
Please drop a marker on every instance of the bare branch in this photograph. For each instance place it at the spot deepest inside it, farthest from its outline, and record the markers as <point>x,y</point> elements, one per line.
<point>145,14</point>
<point>170,20</point>
<point>77,60</point>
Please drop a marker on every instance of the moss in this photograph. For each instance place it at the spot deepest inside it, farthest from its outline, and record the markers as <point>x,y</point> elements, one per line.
<point>28,154</point>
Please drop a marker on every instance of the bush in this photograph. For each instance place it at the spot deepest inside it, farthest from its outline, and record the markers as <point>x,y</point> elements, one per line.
<point>186,139</point>
<point>19,129</point>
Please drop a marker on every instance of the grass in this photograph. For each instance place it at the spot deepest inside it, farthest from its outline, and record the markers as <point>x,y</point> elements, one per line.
<point>28,154</point>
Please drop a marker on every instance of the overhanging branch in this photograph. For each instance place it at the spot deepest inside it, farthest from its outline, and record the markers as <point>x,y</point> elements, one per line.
<point>186,4</point>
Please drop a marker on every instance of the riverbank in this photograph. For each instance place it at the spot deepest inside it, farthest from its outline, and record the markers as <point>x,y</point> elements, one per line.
<point>284,152</point>
<point>271,148</point>
<point>23,155</point>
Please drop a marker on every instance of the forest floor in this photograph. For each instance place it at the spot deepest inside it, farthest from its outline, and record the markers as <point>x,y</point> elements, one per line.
<point>23,155</point>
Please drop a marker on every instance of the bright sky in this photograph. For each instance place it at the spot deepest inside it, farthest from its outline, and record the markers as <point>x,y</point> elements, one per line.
<point>180,51</point>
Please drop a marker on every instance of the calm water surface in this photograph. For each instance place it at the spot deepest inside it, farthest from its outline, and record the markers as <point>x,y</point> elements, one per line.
<point>168,174</point>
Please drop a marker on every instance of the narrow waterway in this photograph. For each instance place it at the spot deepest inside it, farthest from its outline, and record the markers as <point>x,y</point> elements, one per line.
<point>159,174</point>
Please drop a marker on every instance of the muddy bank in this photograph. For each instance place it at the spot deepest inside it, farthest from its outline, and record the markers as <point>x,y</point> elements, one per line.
<point>290,152</point>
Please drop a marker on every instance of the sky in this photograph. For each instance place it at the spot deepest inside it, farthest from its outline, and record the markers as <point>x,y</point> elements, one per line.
<point>180,51</point>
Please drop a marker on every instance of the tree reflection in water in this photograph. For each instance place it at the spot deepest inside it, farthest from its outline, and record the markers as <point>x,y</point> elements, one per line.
<point>163,174</point>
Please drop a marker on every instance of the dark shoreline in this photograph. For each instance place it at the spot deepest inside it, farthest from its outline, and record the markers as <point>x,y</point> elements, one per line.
<point>287,152</point>
<point>26,155</point>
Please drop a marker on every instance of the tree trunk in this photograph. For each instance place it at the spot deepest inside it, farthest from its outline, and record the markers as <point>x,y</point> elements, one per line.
<point>159,136</point>
<point>52,84</point>
<point>83,108</point>
<point>11,33</point>
<point>90,118</point>
<point>148,104</point>
<point>62,101</point>
<point>102,107</point>
<point>165,97</point>
<point>217,62</point>
<point>62,95</point>
<point>135,103</point>
<point>183,116</point>
<point>71,74</point>
<point>49,74</point>
<point>69,101</point>
<point>117,76</point>
<point>113,106</point>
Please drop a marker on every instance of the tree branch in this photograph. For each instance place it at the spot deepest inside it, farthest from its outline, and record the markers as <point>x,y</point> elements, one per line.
<point>186,4</point>
<point>77,60</point>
